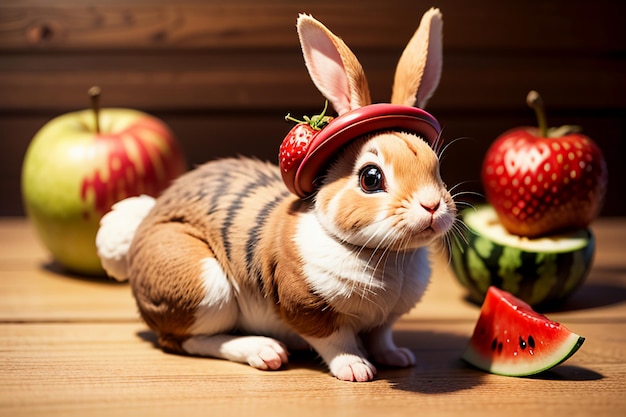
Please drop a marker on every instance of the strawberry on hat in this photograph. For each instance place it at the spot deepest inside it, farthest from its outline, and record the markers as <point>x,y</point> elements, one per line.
<point>297,142</point>
<point>313,143</point>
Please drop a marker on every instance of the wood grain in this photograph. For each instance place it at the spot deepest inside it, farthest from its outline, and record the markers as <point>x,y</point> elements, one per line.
<point>255,81</point>
<point>200,65</point>
<point>72,346</point>
<point>102,368</point>
<point>485,25</point>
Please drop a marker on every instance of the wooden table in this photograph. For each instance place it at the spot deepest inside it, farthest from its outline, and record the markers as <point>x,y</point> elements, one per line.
<point>75,346</point>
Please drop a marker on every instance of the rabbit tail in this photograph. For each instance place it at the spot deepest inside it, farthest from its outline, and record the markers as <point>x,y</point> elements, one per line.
<point>116,233</point>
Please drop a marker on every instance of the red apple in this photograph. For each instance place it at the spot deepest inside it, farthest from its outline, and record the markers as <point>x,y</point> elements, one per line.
<point>542,180</point>
<point>79,164</point>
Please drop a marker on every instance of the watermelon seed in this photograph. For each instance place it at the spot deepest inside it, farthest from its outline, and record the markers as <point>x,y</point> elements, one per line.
<point>494,344</point>
<point>522,343</point>
<point>531,342</point>
<point>500,347</point>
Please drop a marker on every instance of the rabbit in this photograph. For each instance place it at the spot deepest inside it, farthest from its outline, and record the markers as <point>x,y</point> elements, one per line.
<point>227,263</point>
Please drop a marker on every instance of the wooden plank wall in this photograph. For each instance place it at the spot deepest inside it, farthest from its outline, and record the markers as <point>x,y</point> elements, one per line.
<point>223,74</point>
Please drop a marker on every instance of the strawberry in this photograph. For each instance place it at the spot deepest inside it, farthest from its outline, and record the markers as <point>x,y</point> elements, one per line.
<point>544,180</point>
<point>296,144</point>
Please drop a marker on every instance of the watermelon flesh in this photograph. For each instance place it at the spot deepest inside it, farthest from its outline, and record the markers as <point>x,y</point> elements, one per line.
<point>511,339</point>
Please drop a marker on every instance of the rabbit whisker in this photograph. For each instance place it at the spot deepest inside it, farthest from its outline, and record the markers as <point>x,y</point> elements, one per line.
<point>441,153</point>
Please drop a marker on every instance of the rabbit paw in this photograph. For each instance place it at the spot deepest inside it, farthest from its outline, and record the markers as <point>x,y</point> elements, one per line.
<point>398,357</point>
<point>259,352</point>
<point>352,368</point>
<point>267,354</point>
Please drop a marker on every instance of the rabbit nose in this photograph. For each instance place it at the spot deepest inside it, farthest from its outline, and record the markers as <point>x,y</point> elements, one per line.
<point>431,207</point>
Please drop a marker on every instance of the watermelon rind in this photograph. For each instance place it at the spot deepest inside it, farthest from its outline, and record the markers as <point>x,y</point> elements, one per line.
<point>511,339</point>
<point>560,355</point>
<point>542,271</point>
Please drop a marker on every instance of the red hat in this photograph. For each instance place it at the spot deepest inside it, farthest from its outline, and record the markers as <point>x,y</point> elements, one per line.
<point>351,125</point>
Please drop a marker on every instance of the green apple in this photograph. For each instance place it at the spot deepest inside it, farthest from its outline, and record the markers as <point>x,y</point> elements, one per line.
<point>79,164</point>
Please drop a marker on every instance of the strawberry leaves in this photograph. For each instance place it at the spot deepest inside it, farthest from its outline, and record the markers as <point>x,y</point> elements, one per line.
<point>316,122</point>
<point>297,142</point>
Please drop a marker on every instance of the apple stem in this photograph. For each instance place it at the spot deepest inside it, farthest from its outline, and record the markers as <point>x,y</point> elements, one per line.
<point>535,102</point>
<point>94,95</point>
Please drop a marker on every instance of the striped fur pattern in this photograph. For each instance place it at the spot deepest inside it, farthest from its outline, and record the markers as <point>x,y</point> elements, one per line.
<point>227,249</point>
<point>228,264</point>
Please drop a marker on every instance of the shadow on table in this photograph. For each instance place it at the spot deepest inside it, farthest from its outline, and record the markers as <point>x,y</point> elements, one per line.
<point>57,269</point>
<point>439,368</point>
<point>604,289</point>
<point>568,373</point>
<point>594,294</point>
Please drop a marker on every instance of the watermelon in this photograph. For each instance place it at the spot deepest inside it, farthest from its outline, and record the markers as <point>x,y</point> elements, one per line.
<point>511,339</point>
<point>542,271</point>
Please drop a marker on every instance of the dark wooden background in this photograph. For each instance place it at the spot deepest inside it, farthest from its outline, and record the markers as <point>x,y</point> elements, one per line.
<point>223,73</point>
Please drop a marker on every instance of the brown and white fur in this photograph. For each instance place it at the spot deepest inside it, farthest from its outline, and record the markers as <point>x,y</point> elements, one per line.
<point>226,263</point>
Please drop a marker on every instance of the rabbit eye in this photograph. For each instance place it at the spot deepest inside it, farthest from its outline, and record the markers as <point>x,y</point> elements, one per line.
<point>371,179</point>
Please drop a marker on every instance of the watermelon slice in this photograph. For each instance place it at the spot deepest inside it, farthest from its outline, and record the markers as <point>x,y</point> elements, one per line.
<point>511,339</point>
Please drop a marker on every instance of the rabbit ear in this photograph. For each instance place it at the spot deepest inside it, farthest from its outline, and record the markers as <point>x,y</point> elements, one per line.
<point>419,68</point>
<point>334,69</point>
